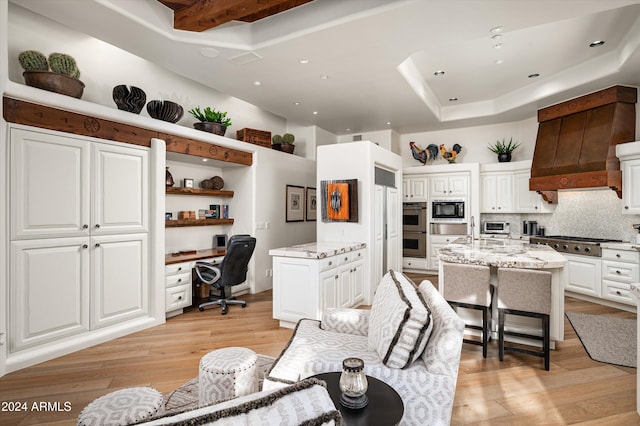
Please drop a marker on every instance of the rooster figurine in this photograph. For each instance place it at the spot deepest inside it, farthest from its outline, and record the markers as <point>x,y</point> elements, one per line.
<point>422,155</point>
<point>450,156</point>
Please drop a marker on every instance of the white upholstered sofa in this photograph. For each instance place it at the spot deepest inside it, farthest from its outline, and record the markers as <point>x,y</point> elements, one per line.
<point>423,369</point>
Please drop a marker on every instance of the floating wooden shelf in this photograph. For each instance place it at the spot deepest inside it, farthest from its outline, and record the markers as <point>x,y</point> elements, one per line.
<point>196,222</point>
<point>199,191</point>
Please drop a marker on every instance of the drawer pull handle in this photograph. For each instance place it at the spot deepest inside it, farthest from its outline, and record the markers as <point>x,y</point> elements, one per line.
<point>330,263</point>
<point>179,297</point>
<point>618,272</point>
<point>618,255</point>
<point>346,258</point>
<point>618,293</point>
<point>179,280</point>
<point>180,268</point>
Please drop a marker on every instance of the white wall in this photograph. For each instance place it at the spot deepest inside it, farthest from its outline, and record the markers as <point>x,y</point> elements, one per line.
<point>382,138</point>
<point>272,231</point>
<point>356,160</point>
<point>474,142</point>
<point>104,66</point>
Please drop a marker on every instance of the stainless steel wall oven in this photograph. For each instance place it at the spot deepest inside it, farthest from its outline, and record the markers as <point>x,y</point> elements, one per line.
<point>414,230</point>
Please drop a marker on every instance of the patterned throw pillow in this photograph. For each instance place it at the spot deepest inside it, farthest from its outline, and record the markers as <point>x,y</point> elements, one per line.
<point>400,321</point>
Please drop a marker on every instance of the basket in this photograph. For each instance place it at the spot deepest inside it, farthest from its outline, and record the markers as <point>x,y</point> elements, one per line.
<point>256,137</point>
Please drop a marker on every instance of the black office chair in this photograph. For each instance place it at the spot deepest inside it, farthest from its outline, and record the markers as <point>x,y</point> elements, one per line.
<point>231,271</point>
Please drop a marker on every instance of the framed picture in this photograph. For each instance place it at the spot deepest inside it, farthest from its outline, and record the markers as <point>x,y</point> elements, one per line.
<point>311,205</point>
<point>339,200</point>
<point>295,203</point>
<point>188,183</point>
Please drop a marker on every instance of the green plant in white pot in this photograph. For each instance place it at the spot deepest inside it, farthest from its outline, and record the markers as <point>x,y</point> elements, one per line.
<point>504,149</point>
<point>211,120</point>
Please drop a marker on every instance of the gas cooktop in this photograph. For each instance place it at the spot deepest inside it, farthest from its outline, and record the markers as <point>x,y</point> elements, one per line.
<point>587,246</point>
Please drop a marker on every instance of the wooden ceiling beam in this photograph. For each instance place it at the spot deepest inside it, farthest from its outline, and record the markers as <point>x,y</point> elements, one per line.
<point>202,15</point>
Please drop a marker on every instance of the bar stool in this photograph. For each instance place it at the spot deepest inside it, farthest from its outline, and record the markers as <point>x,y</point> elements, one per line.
<point>527,293</point>
<point>468,286</point>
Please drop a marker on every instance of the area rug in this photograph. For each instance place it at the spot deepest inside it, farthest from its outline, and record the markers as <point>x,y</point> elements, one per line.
<point>607,339</point>
<point>186,396</point>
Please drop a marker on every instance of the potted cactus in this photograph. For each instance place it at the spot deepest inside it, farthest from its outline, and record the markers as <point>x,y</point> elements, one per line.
<point>211,120</point>
<point>283,143</point>
<point>59,73</point>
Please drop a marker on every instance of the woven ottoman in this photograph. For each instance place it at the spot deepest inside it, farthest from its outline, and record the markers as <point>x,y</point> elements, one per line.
<point>227,373</point>
<point>122,407</point>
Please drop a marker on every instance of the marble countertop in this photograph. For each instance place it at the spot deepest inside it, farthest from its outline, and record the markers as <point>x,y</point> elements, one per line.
<point>621,246</point>
<point>317,250</point>
<point>501,253</point>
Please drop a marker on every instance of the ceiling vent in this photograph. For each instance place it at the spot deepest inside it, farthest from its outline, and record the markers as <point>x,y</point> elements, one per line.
<point>576,143</point>
<point>245,58</point>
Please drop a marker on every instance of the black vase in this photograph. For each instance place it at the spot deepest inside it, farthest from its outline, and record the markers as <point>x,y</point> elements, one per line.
<point>129,99</point>
<point>504,157</point>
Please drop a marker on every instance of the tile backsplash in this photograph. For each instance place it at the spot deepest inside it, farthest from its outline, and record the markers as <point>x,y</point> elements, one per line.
<point>584,213</point>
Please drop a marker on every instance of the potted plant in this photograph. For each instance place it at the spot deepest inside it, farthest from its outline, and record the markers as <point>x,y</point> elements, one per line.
<point>504,149</point>
<point>283,143</point>
<point>58,74</point>
<point>211,120</point>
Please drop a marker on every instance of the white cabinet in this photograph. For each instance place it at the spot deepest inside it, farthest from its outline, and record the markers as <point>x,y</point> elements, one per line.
<point>414,189</point>
<point>620,268</point>
<point>178,293</point>
<point>631,186</point>
<point>64,186</point>
<point>584,274</point>
<point>450,186</point>
<point>526,201</point>
<point>304,287</point>
<point>79,224</point>
<point>48,291</point>
<point>437,242</point>
<point>497,193</point>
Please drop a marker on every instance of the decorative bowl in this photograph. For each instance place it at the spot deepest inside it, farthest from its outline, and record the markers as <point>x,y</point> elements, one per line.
<point>165,110</point>
<point>129,99</point>
<point>54,82</point>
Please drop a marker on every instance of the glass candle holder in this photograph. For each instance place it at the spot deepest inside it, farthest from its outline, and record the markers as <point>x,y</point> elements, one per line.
<point>353,384</point>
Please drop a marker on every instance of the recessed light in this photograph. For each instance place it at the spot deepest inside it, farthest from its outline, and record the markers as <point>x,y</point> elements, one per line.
<point>453,99</point>
<point>315,112</point>
<point>499,61</point>
<point>596,43</point>
<point>347,129</point>
<point>257,83</point>
<point>497,46</point>
<point>388,123</point>
<point>304,60</point>
<point>438,73</point>
<point>297,103</point>
<point>209,52</point>
<point>534,75</point>
<point>324,77</point>
<point>496,30</point>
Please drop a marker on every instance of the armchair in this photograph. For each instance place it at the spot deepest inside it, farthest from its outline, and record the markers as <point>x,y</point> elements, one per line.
<point>231,271</point>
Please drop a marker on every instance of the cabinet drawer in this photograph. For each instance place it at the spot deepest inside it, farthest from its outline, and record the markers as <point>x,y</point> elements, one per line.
<point>174,280</point>
<point>344,258</point>
<point>618,271</point>
<point>618,292</point>
<point>328,263</point>
<point>414,263</point>
<point>177,297</point>
<point>621,255</point>
<point>177,268</point>
<point>357,255</point>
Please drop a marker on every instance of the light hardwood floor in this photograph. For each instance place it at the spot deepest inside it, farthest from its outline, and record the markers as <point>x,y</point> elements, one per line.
<point>519,391</point>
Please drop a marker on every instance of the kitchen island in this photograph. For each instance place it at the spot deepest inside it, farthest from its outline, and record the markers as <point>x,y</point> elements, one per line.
<point>309,278</point>
<point>504,253</point>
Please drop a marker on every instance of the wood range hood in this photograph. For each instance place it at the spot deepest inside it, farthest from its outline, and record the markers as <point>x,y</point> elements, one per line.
<point>576,143</point>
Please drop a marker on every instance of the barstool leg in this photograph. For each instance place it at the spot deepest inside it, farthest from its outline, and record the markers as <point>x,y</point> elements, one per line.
<point>545,341</point>
<point>485,331</point>
<point>501,334</point>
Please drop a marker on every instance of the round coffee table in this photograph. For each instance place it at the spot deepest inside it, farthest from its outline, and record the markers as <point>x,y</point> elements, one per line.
<point>385,405</point>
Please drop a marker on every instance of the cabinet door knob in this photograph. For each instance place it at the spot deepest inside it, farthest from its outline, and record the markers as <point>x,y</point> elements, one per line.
<point>618,255</point>
<point>97,225</point>
<point>97,245</point>
<point>626,207</point>
<point>618,272</point>
<point>618,292</point>
<point>179,297</point>
<point>336,277</point>
<point>330,263</point>
<point>180,268</point>
<point>85,226</point>
<point>84,246</point>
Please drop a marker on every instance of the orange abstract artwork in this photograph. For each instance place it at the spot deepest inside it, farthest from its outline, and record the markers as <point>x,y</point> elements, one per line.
<point>338,206</point>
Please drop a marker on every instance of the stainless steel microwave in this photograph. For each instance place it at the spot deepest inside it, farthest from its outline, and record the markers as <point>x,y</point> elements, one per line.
<point>449,210</point>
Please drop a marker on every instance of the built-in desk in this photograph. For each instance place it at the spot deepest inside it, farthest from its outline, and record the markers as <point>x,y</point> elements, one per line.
<point>179,275</point>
